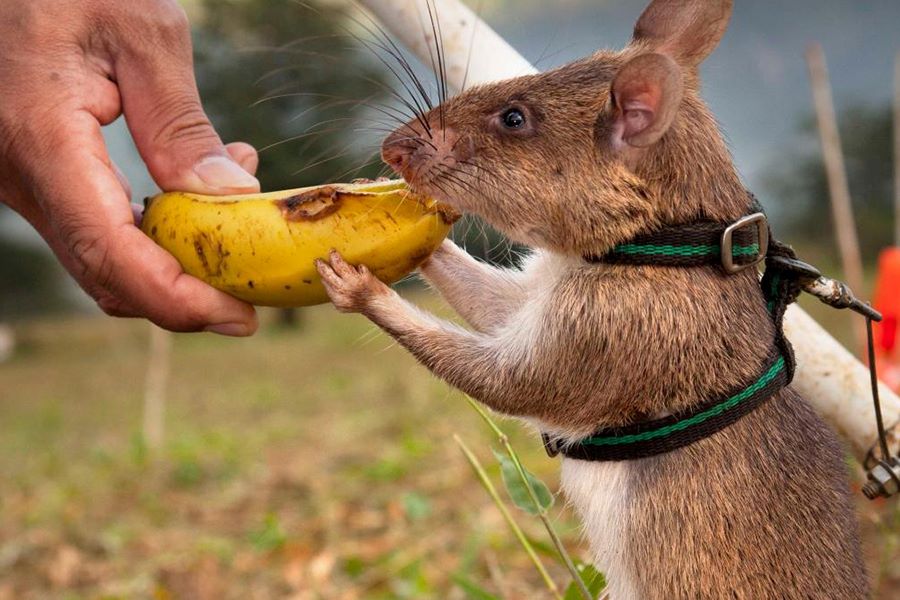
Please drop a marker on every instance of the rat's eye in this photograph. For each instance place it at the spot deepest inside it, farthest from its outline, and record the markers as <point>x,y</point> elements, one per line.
<point>514,119</point>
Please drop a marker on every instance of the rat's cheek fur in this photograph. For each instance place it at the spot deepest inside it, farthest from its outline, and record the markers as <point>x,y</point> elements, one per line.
<point>574,216</point>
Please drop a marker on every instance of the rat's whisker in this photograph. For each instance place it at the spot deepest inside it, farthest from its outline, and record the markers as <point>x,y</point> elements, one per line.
<point>415,109</point>
<point>301,136</point>
<point>399,56</point>
<point>478,10</point>
<point>371,46</point>
<point>355,170</point>
<point>440,68</point>
<point>394,52</point>
<point>342,153</point>
<point>294,95</point>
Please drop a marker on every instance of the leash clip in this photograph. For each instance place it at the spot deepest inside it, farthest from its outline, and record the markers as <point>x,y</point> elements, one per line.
<point>762,227</point>
<point>832,292</point>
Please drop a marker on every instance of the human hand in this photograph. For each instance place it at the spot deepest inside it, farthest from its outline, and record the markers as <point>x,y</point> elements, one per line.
<point>68,68</point>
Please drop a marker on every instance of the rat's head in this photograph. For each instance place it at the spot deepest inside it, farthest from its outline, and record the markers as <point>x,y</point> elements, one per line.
<point>585,156</point>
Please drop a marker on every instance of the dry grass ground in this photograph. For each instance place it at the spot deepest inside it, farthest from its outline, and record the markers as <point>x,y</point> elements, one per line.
<point>304,464</point>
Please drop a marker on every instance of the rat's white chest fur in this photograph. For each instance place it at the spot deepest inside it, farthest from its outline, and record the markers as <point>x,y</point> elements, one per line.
<point>599,491</point>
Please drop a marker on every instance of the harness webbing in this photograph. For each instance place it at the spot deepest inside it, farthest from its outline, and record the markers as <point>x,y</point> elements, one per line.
<point>695,245</point>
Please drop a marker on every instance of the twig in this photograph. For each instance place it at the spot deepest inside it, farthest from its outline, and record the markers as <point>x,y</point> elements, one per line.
<point>158,366</point>
<point>841,206</point>
<point>492,491</point>
<point>541,511</point>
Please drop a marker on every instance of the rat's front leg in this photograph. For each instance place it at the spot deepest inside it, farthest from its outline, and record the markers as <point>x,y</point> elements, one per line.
<point>473,362</point>
<point>483,295</point>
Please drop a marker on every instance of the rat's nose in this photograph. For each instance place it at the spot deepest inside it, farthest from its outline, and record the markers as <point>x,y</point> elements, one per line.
<point>397,151</point>
<point>412,154</point>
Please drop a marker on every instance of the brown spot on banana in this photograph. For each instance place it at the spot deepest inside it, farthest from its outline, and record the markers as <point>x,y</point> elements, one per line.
<point>312,205</point>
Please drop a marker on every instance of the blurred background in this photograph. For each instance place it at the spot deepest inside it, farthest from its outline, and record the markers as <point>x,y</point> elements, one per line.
<point>315,460</point>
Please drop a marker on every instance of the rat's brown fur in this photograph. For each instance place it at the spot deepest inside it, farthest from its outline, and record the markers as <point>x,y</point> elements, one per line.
<point>758,510</point>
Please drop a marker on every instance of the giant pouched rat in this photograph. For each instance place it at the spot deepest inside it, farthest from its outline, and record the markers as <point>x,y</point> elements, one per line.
<point>573,162</point>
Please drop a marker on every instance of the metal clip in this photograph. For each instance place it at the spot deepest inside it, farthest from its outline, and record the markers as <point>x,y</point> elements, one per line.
<point>762,227</point>
<point>884,479</point>
<point>837,294</point>
<point>803,271</point>
<point>832,292</point>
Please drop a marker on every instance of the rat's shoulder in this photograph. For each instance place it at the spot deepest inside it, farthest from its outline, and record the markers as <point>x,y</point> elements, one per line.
<point>553,273</point>
<point>541,266</point>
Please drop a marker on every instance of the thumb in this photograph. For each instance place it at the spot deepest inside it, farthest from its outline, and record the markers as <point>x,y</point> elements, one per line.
<point>172,132</point>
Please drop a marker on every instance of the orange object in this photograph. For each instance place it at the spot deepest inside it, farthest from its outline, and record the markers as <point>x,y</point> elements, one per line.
<point>887,301</point>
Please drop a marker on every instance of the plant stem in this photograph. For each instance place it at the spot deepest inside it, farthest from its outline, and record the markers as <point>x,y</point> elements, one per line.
<point>541,511</point>
<point>520,535</point>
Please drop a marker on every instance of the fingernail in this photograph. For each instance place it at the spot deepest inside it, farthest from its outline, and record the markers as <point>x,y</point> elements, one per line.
<point>230,329</point>
<point>222,173</point>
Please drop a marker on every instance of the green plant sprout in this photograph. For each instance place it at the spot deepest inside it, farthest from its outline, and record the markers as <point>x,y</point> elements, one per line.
<point>531,495</point>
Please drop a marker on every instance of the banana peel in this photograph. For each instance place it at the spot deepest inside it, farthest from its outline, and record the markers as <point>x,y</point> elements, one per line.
<point>261,248</point>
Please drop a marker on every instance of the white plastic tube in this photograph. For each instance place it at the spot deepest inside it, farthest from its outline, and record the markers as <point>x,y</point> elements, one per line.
<point>828,376</point>
<point>464,36</point>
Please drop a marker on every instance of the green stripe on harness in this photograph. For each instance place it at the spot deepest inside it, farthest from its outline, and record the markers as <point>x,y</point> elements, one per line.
<point>666,250</point>
<point>728,404</point>
<point>733,247</point>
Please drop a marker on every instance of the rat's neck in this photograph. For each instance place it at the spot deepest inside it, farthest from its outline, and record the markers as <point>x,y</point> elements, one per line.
<point>692,172</point>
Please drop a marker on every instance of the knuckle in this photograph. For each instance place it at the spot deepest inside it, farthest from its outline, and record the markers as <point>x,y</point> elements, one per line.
<point>181,119</point>
<point>182,313</point>
<point>91,252</point>
<point>173,17</point>
<point>165,21</point>
<point>155,31</point>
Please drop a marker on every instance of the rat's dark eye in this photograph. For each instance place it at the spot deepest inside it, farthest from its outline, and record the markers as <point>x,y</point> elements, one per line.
<point>514,119</point>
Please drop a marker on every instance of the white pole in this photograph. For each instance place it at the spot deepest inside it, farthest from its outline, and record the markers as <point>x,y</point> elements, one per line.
<point>828,376</point>
<point>831,378</point>
<point>838,186</point>
<point>465,36</point>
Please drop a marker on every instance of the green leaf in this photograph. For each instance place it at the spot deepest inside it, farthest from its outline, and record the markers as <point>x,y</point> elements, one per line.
<point>473,591</point>
<point>516,486</point>
<point>593,579</point>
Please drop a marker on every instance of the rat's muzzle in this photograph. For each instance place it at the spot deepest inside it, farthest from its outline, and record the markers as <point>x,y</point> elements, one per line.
<point>413,153</point>
<point>398,149</point>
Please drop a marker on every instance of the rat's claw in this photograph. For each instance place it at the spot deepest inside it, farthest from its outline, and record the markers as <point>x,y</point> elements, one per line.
<point>339,265</point>
<point>329,278</point>
<point>350,288</point>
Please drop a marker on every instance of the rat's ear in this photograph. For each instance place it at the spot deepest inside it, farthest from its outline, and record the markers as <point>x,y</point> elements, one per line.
<point>646,95</point>
<point>688,30</point>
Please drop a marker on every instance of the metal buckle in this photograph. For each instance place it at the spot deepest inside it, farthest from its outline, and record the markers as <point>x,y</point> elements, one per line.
<point>550,446</point>
<point>762,226</point>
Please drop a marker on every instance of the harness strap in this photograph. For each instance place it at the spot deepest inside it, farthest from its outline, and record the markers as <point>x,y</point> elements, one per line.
<point>734,247</point>
<point>692,245</point>
<point>650,438</point>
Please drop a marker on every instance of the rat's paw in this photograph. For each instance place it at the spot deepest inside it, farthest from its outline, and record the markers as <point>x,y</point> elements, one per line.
<point>350,288</point>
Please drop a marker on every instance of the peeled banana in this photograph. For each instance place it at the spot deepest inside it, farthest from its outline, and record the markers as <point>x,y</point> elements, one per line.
<point>261,248</point>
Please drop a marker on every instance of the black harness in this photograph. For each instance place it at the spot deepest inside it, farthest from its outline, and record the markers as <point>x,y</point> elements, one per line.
<point>733,247</point>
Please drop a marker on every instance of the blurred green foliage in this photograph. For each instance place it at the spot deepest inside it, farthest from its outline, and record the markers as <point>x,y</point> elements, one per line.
<point>798,181</point>
<point>270,71</point>
<point>30,279</point>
